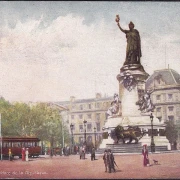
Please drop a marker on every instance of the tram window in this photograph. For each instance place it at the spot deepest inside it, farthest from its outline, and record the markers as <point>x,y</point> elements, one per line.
<point>6,144</point>
<point>28,144</point>
<point>16,144</point>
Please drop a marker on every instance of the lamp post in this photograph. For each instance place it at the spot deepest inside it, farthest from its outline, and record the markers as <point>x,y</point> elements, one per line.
<point>85,131</point>
<point>71,126</point>
<point>152,137</point>
<point>95,137</point>
<point>1,136</point>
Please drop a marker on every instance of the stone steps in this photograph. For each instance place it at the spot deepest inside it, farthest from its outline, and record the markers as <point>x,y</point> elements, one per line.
<point>128,148</point>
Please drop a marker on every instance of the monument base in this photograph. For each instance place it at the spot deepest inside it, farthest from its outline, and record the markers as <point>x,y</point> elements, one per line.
<point>143,122</point>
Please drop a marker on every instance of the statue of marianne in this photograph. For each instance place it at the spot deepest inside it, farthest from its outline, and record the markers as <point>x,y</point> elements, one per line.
<point>133,49</point>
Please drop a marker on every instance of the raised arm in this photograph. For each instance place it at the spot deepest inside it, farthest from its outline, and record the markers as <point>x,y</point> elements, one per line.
<point>117,20</point>
<point>121,28</point>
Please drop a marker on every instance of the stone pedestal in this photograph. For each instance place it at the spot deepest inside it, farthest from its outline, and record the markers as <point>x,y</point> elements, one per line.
<point>129,91</point>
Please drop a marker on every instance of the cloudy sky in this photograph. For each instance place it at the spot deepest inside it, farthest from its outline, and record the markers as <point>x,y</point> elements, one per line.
<point>53,50</point>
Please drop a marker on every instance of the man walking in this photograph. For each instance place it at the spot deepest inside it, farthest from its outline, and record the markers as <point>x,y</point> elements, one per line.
<point>105,160</point>
<point>110,161</point>
<point>93,154</point>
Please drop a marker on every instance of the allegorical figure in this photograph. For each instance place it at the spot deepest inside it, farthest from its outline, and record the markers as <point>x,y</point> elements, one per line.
<point>133,49</point>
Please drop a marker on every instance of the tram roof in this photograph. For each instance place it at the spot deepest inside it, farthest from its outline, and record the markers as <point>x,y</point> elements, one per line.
<point>21,139</point>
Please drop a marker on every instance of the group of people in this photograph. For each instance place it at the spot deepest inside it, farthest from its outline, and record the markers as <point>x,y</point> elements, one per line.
<point>109,161</point>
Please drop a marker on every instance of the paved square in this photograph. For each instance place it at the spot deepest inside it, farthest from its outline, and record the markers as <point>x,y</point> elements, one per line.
<point>71,167</point>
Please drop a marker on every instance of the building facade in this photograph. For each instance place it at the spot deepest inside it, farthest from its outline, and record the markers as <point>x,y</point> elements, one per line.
<point>165,87</point>
<point>86,117</point>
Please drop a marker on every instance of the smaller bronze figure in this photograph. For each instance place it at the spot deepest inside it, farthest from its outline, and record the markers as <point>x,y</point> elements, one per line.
<point>129,81</point>
<point>133,49</point>
<point>145,103</point>
<point>114,109</point>
<point>132,133</point>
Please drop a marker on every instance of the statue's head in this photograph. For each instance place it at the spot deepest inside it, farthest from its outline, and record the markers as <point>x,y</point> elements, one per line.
<point>131,25</point>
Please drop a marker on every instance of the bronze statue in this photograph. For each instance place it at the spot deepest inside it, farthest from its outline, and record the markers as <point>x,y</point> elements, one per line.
<point>145,103</point>
<point>114,109</point>
<point>133,132</point>
<point>133,49</point>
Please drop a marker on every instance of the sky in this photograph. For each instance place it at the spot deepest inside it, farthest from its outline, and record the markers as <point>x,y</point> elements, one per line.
<point>51,50</point>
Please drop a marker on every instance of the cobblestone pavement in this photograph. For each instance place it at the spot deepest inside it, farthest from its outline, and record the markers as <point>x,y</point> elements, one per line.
<point>71,167</point>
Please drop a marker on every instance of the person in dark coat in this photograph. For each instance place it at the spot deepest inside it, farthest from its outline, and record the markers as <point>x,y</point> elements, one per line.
<point>110,161</point>
<point>93,154</point>
<point>105,160</point>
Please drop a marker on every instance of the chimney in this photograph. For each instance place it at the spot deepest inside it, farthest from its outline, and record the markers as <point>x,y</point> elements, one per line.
<point>72,98</point>
<point>98,95</point>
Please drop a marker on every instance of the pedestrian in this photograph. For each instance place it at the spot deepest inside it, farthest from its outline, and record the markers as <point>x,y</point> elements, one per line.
<point>93,154</point>
<point>84,151</point>
<point>105,160</point>
<point>145,155</point>
<point>110,161</point>
<point>51,152</point>
<point>64,151</point>
<point>27,154</point>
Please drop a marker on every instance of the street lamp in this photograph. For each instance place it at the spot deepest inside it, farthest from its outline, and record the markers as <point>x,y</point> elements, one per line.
<point>95,137</point>
<point>71,126</point>
<point>85,131</point>
<point>152,137</point>
<point>1,136</point>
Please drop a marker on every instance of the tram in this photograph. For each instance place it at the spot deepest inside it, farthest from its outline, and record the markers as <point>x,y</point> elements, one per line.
<point>15,144</point>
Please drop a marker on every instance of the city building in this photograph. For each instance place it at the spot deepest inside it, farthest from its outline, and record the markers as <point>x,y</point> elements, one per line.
<point>86,117</point>
<point>165,87</point>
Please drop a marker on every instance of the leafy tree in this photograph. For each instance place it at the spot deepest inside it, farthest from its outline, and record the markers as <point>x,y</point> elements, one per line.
<point>40,120</point>
<point>171,131</point>
<point>6,117</point>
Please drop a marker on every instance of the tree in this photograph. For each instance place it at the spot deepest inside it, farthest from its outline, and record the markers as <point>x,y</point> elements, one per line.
<point>171,131</point>
<point>40,120</point>
<point>6,118</point>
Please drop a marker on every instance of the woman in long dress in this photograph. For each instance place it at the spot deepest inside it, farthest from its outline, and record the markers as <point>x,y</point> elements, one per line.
<point>145,155</point>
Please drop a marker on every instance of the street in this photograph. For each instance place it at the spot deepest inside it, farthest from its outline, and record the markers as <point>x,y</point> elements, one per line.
<point>71,167</point>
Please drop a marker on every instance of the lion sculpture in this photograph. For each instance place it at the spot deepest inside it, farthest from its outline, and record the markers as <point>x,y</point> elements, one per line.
<point>132,133</point>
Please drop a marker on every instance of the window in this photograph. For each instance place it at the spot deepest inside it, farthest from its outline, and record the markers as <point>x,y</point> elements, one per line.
<point>89,127</point>
<point>89,106</point>
<point>158,109</point>
<point>80,140</point>
<point>73,127</point>
<point>80,128</point>
<point>97,105</point>
<point>98,116</point>
<point>81,107</point>
<point>72,116</point>
<point>89,138</point>
<point>170,96</point>
<point>73,107</point>
<point>6,144</point>
<point>158,97</point>
<point>89,116</point>
<point>160,119</point>
<point>80,116</point>
<point>171,108</point>
<point>171,118</point>
<point>98,126</point>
